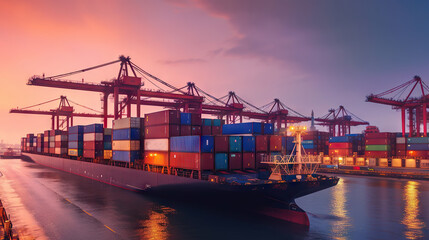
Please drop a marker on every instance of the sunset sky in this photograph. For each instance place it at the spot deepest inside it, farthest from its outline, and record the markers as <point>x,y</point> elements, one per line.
<point>312,55</point>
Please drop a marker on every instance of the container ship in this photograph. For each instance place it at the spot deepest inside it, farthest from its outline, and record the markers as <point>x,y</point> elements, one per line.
<point>182,156</point>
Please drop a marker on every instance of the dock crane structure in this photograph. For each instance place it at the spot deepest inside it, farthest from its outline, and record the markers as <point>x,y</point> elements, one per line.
<point>339,121</point>
<point>189,98</point>
<point>416,106</point>
<point>62,117</point>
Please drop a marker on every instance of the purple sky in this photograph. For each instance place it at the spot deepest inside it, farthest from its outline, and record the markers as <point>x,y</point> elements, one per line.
<point>312,55</point>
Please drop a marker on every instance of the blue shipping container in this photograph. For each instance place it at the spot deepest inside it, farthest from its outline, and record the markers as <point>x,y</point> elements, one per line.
<point>268,128</point>
<point>418,140</point>
<point>207,122</point>
<point>107,145</point>
<point>235,144</point>
<point>75,137</point>
<point>107,138</point>
<point>93,128</point>
<point>242,128</point>
<point>340,139</point>
<point>207,144</point>
<point>185,118</point>
<point>75,145</point>
<point>308,146</point>
<point>248,144</point>
<point>76,129</point>
<point>126,134</point>
<point>307,142</point>
<point>125,156</point>
<point>418,147</point>
<point>185,144</point>
<point>217,122</point>
<point>221,161</point>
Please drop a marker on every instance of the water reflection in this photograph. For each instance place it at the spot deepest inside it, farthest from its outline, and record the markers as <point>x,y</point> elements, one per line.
<point>411,219</point>
<point>155,227</point>
<point>338,206</point>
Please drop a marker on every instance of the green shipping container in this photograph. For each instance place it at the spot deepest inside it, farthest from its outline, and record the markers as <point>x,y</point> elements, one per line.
<point>377,147</point>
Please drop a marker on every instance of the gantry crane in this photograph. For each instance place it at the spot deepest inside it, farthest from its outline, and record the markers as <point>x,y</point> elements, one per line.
<point>339,121</point>
<point>415,106</point>
<point>62,117</point>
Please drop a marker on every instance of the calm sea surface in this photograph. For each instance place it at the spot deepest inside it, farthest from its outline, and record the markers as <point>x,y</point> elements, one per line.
<point>48,204</point>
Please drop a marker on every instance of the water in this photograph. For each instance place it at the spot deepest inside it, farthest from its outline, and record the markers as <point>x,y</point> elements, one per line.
<point>48,204</point>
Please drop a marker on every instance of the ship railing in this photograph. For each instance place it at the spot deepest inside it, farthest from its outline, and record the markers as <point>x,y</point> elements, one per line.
<point>289,164</point>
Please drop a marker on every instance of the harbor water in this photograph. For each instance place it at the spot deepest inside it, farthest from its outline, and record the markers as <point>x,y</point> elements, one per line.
<point>45,203</point>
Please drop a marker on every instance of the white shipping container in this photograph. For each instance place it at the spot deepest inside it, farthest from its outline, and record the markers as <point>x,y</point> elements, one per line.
<point>424,163</point>
<point>107,131</point>
<point>60,151</point>
<point>372,162</point>
<point>51,144</point>
<point>125,145</point>
<point>126,123</point>
<point>52,139</point>
<point>383,162</point>
<point>87,137</point>
<point>401,140</point>
<point>61,138</point>
<point>411,163</point>
<point>396,162</point>
<point>161,144</point>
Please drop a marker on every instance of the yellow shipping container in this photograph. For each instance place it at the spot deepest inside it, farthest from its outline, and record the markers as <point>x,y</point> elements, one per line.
<point>73,152</point>
<point>107,154</point>
<point>126,145</point>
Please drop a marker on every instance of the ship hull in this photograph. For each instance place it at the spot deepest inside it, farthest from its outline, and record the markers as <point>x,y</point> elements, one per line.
<point>274,200</point>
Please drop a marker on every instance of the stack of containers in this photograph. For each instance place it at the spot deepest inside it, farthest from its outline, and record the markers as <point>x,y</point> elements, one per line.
<point>30,142</point>
<point>289,144</point>
<point>276,145</point>
<point>107,143</point>
<point>344,146</point>
<point>46,141</point>
<point>249,149</point>
<point>23,141</point>
<point>52,134</point>
<point>126,135</point>
<point>206,126</point>
<point>315,142</point>
<point>192,152</point>
<point>261,147</point>
<point>379,145</point>
<point>401,146</point>
<point>217,127</point>
<point>185,124</point>
<point>61,142</point>
<point>40,138</point>
<point>195,124</point>
<point>418,147</point>
<point>93,141</point>
<point>253,128</point>
<point>235,157</point>
<point>221,147</point>
<point>158,128</point>
<point>75,141</point>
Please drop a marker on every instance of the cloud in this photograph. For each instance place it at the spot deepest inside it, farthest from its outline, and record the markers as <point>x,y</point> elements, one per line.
<point>184,61</point>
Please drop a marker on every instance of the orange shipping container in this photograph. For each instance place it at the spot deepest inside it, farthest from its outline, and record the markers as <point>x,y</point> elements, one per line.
<point>156,158</point>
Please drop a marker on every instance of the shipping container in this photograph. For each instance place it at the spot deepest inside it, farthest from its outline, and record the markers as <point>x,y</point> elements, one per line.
<point>126,123</point>
<point>377,154</point>
<point>192,161</point>
<point>249,144</point>
<point>75,145</point>
<point>206,130</point>
<point>383,162</point>
<point>162,131</point>
<point>221,161</point>
<point>76,130</point>
<point>107,154</point>
<point>248,160</point>
<point>125,134</point>
<point>206,122</point>
<point>268,129</point>
<point>424,163</point>
<point>185,118</point>
<point>418,140</point>
<point>401,140</point>
<point>195,119</point>
<point>59,138</point>
<point>196,130</point>
<point>221,143</point>
<point>91,145</point>
<point>377,147</point>
<point>418,154</point>
<point>185,144</point>
<point>340,145</point>
<point>235,161</point>
<point>75,152</point>
<point>160,144</point>
<point>207,144</point>
<point>216,130</point>
<point>261,143</point>
<point>107,145</point>
<point>185,130</point>
<point>275,143</point>
<point>157,158</point>
<point>379,135</point>
<point>235,144</point>
<point>372,162</point>
<point>108,131</point>
<point>377,141</point>
<point>340,139</point>
<point>61,144</point>
<point>93,137</point>
<point>75,137</point>
<point>61,150</point>
<point>166,117</point>
<point>418,146</point>
<point>124,156</point>
<point>396,162</point>
<point>126,145</point>
<point>242,128</point>
<point>217,122</point>
<point>259,158</point>
<point>93,128</point>
<point>340,152</point>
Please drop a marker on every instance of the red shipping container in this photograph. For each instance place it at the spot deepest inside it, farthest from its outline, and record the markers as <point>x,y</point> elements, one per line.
<point>418,154</point>
<point>340,145</point>
<point>342,152</point>
<point>402,147</point>
<point>196,119</point>
<point>260,157</point>
<point>377,154</point>
<point>162,131</point>
<point>216,130</point>
<point>221,143</point>
<point>171,117</point>
<point>156,158</point>
<point>401,153</point>
<point>91,153</point>
<point>206,130</point>
<point>261,143</point>
<point>192,161</point>
<point>61,144</point>
<point>46,150</point>
<point>185,130</point>
<point>196,130</point>
<point>275,143</point>
<point>235,161</point>
<point>378,135</point>
<point>92,145</point>
<point>377,141</point>
<point>248,160</point>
